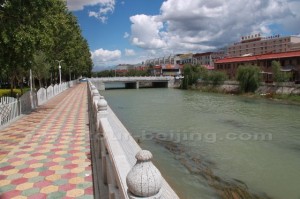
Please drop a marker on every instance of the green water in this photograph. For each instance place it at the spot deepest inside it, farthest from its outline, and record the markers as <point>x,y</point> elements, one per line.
<point>251,140</point>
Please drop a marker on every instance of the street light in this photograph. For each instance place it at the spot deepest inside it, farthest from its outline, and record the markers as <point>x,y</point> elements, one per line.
<point>59,68</point>
<point>70,78</point>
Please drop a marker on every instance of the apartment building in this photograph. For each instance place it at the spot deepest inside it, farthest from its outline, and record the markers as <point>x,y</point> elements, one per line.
<point>257,45</point>
<point>171,59</point>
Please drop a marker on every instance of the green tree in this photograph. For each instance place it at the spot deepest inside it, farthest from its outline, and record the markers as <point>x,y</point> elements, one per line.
<point>278,75</point>
<point>41,68</point>
<point>249,78</point>
<point>217,77</point>
<point>193,73</point>
<point>27,27</point>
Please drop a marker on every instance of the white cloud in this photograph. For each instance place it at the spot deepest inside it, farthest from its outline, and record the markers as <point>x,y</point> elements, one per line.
<point>75,5</point>
<point>126,35</point>
<point>146,32</point>
<point>101,56</point>
<point>104,7</point>
<point>189,25</point>
<point>129,52</point>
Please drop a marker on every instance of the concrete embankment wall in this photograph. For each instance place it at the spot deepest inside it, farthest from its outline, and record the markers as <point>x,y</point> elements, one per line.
<point>264,88</point>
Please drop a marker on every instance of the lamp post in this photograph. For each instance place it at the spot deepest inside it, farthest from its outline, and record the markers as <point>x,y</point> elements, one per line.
<point>70,78</point>
<point>59,68</point>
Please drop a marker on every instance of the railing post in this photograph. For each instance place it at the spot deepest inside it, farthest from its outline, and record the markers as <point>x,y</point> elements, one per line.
<point>102,107</point>
<point>144,180</point>
<point>18,105</point>
<point>102,112</point>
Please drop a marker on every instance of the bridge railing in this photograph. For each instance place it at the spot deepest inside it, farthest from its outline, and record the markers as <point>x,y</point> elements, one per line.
<point>120,166</point>
<point>141,78</point>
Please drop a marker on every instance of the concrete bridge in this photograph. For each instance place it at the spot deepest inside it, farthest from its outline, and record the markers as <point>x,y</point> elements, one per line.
<point>136,82</point>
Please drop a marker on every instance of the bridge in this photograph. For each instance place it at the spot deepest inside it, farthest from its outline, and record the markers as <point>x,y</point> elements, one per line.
<point>136,82</point>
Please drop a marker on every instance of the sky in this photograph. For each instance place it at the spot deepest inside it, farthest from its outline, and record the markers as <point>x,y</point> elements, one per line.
<point>132,31</point>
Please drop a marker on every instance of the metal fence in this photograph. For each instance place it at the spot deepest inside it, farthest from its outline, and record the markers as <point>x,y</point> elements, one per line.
<point>9,109</point>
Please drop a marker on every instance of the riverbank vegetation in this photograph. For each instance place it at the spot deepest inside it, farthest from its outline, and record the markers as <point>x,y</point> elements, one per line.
<point>33,35</point>
<point>248,82</point>
<point>195,73</point>
<point>249,78</point>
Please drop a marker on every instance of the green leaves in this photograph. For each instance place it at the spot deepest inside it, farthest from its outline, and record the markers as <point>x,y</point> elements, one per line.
<point>249,78</point>
<point>278,75</point>
<point>30,27</point>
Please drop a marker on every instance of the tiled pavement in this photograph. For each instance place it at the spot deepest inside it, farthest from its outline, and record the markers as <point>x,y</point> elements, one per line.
<point>46,154</point>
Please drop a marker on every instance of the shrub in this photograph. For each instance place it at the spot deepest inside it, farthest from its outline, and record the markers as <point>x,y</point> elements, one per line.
<point>192,74</point>
<point>249,78</point>
<point>7,92</point>
<point>217,77</point>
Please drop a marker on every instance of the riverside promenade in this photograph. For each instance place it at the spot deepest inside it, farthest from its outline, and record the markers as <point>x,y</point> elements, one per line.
<point>46,154</point>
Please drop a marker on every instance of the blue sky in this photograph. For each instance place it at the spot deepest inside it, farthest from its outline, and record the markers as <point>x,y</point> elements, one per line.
<point>131,31</point>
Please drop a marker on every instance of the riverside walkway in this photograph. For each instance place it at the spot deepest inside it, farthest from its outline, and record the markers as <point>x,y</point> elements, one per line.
<point>46,154</point>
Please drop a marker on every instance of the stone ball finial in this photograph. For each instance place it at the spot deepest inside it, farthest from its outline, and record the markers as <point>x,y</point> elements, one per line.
<point>144,179</point>
<point>102,104</point>
<point>95,93</point>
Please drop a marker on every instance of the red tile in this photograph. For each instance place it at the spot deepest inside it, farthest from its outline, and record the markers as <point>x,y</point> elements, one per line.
<point>14,160</point>
<point>19,181</point>
<point>69,175</point>
<point>42,184</point>
<point>9,167</point>
<point>50,164</point>
<point>29,162</point>
<point>53,156</point>
<point>47,173</point>
<point>89,178</point>
<point>24,147</point>
<point>88,191</point>
<point>38,196</point>
<point>26,170</point>
<point>2,177</point>
<point>20,152</point>
<point>71,166</point>
<point>66,187</point>
<point>10,194</point>
<point>36,154</point>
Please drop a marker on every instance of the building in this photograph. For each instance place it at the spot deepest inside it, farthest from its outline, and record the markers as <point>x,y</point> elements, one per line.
<point>171,59</point>
<point>257,45</point>
<point>290,62</point>
<point>172,69</point>
<point>185,59</point>
<point>203,59</point>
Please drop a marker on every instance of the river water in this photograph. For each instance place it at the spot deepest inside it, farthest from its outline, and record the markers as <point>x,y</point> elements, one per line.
<point>252,141</point>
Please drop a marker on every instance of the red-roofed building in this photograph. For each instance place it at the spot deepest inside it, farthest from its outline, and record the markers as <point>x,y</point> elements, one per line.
<point>290,61</point>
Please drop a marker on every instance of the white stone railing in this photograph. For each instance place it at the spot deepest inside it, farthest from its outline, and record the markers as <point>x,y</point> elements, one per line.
<point>120,167</point>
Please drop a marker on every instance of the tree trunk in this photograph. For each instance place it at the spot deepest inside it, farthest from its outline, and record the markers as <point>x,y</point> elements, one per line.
<point>40,83</point>
<point>11,87</point>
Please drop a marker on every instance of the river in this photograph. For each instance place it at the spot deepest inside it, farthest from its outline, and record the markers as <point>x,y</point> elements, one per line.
<point>254,143</point>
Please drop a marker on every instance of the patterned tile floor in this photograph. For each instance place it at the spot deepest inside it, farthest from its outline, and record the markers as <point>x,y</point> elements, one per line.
<point>46,154</point>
